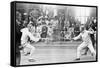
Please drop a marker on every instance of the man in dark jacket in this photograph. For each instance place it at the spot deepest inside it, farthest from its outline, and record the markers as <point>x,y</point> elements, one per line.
<point>18,26</point>
<point>17,39</point>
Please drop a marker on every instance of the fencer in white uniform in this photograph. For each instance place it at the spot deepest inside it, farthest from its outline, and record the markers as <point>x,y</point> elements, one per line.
<point>27,34</point>
<point>84,35</point>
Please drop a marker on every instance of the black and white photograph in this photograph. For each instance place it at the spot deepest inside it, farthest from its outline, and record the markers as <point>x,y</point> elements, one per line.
<point>53,33</point>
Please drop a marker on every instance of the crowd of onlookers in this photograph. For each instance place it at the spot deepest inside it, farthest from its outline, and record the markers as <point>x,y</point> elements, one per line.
<point>60,27</point>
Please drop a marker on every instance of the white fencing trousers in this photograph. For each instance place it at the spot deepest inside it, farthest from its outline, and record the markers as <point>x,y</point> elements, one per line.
<point>31,49</point>
<point>83,45</point>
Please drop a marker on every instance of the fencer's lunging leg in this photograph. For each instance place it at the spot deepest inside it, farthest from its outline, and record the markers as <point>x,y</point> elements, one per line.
<point>80,47</point>
<point>32,49</point>
<point>90,46</point>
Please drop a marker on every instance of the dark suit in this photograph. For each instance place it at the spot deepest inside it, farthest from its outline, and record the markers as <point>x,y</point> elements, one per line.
<point>17,43</point>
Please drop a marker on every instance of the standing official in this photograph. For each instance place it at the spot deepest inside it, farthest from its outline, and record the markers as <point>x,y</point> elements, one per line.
<point>18,34</point>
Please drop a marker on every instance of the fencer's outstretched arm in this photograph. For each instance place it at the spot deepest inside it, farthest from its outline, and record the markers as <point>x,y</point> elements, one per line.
<point>77,37</point>
<point>34,37</point>
<point>90,31</point>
